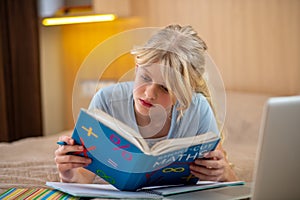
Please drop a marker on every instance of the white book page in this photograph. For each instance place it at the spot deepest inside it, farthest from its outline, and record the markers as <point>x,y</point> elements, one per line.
<point>201,185</point>
<point>97,190</point>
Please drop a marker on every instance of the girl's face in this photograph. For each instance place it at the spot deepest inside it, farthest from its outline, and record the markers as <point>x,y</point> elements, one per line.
<point>150,92</point>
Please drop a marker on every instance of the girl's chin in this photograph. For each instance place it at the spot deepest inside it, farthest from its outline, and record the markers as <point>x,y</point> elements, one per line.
<point>142,112</point>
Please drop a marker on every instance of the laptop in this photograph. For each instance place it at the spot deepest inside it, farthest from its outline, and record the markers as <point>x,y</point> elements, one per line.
<point>277,169</point>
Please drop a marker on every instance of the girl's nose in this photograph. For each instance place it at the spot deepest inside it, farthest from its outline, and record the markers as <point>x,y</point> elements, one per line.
<point>151,91</point>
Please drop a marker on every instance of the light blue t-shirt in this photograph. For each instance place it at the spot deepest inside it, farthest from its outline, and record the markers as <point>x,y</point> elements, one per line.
<point>117,100</point>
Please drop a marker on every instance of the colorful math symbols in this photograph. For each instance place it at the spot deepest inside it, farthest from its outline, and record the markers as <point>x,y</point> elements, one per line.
<point>173,169</point>
<point>117,141</point>
<point>189,177</point>
<point>102,174</point>
<point>89,131</point>
<point>85,149</point>
<point>180,170</point>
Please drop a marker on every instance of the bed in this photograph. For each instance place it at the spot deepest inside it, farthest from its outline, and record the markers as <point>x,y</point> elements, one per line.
<point>29,162</point>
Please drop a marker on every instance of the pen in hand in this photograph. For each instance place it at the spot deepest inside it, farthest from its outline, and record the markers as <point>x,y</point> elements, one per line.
<point>61,143</point>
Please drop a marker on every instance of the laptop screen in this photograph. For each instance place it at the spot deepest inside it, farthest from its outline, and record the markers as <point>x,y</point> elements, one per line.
<point>277,172</point>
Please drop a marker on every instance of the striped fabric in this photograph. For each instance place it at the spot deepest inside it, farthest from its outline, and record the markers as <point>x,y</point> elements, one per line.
<point>34,194</point>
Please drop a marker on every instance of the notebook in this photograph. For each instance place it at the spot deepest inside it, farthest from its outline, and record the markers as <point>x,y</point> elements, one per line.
<point>155,192</point>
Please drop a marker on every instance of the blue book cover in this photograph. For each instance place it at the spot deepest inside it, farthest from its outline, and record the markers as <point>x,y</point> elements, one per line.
<point>122,158</point>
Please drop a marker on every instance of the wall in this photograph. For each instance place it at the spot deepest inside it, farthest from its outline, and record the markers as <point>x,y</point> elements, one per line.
<point>52,79</point>
<point>255,43</point>
<point>63,50</point>
<point>77,46</point>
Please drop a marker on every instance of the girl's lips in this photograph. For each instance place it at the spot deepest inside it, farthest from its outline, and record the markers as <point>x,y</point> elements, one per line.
<point>145,103</point>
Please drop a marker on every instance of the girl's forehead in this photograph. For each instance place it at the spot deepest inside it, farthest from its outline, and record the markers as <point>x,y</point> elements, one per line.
<point>154,71</point>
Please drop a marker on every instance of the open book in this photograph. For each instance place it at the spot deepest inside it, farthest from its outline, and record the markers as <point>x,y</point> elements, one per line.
<point>123,158</point>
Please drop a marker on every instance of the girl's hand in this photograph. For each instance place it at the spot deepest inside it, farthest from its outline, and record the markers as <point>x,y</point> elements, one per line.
<point>67,164</point>
<point>213,167</point>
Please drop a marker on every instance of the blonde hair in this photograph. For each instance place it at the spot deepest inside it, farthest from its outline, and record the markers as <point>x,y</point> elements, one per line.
<point>182,53</point>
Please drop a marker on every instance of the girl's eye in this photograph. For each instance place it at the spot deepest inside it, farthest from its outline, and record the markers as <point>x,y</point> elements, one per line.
<point>145,78</point>
<point>164,88</point>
